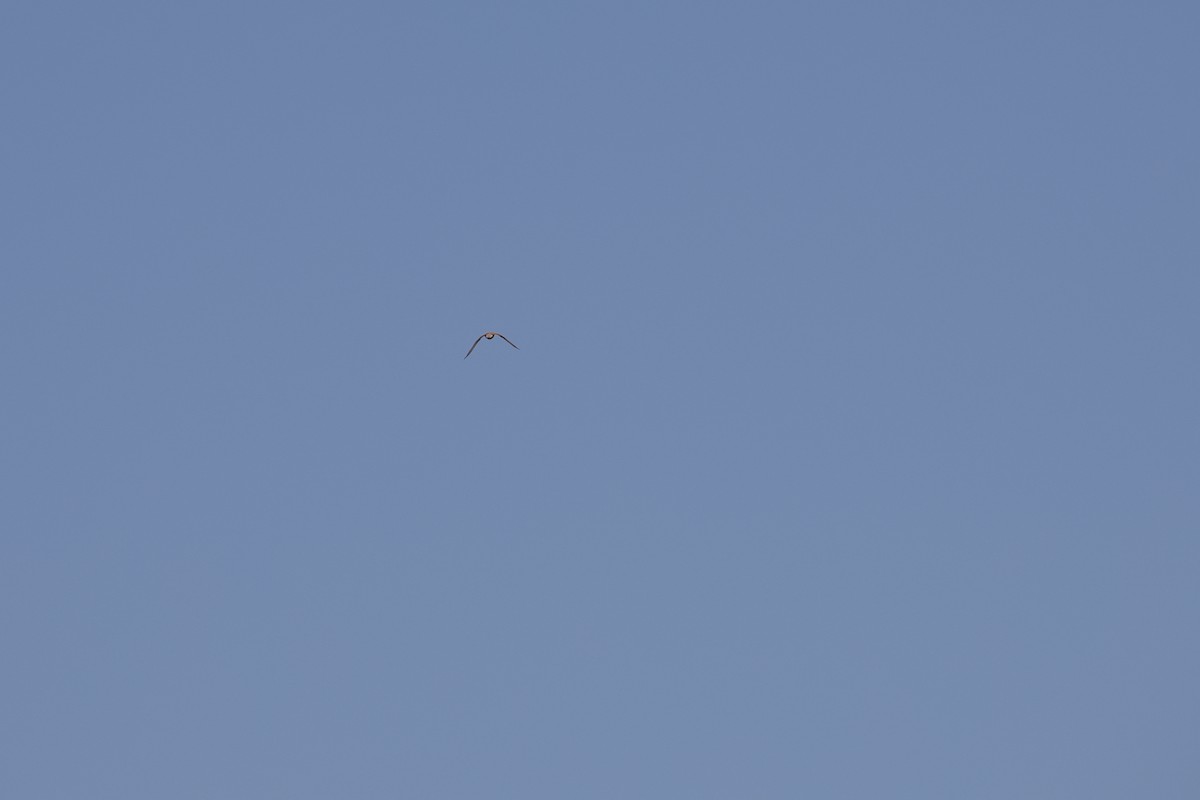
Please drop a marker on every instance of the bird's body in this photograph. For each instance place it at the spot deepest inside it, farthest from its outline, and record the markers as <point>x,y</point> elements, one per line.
<point>489,336</point>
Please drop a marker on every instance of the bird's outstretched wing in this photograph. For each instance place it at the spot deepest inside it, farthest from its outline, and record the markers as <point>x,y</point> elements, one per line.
<point>505,338</point>
<point>477,341</point>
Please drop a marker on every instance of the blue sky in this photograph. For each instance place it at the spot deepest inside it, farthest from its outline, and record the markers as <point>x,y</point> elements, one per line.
<point>851,449</point>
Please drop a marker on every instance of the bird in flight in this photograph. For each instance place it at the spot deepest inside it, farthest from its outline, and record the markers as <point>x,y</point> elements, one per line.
<point>489,336</point>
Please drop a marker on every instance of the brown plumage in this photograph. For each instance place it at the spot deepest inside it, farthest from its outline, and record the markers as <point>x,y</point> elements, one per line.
<point>489,336</point>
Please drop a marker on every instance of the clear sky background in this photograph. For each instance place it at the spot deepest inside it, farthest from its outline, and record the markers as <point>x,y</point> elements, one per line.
<point>851,449</point>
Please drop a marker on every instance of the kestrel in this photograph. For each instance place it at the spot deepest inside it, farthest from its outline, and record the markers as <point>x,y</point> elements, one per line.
<point>489,336</point>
